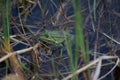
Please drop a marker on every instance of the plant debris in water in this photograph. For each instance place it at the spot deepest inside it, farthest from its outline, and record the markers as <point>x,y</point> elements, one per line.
<point>40,29</point>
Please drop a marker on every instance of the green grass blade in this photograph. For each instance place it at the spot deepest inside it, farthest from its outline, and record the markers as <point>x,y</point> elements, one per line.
<point>79,38</point>
<point>94,10</point>
<point>6,19</point>
<point>5,11</point>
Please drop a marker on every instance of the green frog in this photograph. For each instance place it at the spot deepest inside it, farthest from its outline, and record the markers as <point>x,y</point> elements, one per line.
<point>55,37</point>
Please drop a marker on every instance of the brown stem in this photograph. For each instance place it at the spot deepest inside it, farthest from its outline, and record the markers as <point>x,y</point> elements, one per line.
<point>13,61</point>
<point>16,67</point>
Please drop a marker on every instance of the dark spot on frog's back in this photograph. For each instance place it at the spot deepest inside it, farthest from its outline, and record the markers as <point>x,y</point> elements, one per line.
<point>46,35</point>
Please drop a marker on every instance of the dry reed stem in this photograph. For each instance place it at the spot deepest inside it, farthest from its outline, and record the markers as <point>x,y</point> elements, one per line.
<point>89,65</point>
<point>18,52</point>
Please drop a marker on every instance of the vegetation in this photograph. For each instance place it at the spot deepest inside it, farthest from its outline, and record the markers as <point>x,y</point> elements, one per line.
<point>59,39</point>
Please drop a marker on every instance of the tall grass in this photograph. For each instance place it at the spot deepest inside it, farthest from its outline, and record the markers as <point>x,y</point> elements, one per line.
<point>6,27</point>
<point>79,37</point>
<point>5,23</point>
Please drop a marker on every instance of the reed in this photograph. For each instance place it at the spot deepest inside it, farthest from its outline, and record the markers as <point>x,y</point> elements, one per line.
<point>6,12</point>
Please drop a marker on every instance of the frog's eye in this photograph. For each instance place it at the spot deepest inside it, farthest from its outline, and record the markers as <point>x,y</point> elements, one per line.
<point>46,35</point>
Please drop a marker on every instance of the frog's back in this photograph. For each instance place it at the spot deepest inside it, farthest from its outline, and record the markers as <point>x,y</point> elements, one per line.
<point>58,36</point>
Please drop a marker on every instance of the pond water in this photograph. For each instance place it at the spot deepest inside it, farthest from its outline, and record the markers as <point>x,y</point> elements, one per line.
<point>38,21</point>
